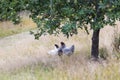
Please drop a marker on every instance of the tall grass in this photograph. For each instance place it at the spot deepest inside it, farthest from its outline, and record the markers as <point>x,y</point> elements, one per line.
<point>23,58</point>
<point>67,71</point>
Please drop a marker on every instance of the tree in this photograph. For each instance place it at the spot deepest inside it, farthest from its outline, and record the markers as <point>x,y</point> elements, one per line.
<point>96,13</point>
<point>50,14</point>
<point>9,10</point>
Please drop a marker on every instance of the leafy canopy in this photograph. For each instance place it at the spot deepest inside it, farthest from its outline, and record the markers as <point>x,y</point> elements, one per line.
<point>66,16</point>
<point>73,14</point>
<point>9,9</point>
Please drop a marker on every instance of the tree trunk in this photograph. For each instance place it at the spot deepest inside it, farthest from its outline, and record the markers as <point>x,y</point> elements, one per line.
<point>95,44</point>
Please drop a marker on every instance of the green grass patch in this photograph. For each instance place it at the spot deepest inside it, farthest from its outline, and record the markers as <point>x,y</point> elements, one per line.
<point>8,32</point>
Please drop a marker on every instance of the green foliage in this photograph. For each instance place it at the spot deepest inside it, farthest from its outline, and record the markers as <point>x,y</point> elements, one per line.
<point>69,28</point>
<point>49,14</point>
<point>9,9</point>
<point>95,13</point>
<point>104,53</point>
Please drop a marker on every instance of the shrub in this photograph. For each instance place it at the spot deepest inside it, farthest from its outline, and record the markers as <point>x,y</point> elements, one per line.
<point>103,53</point>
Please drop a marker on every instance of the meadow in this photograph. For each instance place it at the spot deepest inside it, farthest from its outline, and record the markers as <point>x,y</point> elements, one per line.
<point>24,58</point>
<point>8,28</point>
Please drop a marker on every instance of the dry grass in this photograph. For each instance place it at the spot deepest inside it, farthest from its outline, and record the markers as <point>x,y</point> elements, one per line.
<point>23,58</point>
<point>7,28</point>
<point>107,38</point>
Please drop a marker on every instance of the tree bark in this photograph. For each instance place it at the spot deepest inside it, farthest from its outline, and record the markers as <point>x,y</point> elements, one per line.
<point>95,44</point>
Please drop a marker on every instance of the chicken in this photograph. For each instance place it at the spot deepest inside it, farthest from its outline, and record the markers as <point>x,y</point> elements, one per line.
<point>66,50</point>
<point>54,51</point>
<point>62,50</point>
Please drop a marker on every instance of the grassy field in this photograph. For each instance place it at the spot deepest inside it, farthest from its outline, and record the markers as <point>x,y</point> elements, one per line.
<point>69,69</point>
<point>8,28</point>
<point>23,58</point>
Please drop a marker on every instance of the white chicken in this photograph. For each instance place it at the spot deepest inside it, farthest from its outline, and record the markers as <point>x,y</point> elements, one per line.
<point>54,51</point>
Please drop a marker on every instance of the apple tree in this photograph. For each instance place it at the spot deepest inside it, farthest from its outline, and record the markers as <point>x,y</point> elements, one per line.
<point>49,14</point>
